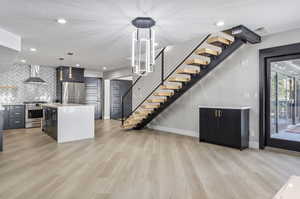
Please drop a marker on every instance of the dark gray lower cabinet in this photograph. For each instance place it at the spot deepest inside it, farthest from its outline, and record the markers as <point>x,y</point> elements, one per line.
<point>227,127</point>
<point>14,117</point>
<point>1,129</point>
<point>50,122</point>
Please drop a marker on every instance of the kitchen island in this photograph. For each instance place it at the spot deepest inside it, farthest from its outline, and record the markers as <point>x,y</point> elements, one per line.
<point>68,122</point>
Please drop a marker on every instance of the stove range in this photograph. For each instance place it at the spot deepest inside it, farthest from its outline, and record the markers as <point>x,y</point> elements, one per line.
<point>33,113</point>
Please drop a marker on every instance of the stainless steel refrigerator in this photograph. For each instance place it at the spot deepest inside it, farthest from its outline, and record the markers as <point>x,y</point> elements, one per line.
<point>73,93</point>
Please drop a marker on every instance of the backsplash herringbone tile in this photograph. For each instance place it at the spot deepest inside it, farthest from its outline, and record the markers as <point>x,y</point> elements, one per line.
<point>16,75</point>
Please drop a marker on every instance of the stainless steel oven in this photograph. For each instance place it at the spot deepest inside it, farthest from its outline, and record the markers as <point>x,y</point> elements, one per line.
<point>33,114</point>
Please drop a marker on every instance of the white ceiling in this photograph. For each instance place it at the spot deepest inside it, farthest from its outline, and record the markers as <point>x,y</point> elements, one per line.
<point>99,31</point>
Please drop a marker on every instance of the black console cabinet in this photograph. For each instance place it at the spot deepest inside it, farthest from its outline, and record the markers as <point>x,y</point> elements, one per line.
<point>225,126</point>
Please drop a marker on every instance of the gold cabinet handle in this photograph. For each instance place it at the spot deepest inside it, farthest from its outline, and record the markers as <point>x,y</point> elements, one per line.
<point>216,113</point>
<point>219,113</point>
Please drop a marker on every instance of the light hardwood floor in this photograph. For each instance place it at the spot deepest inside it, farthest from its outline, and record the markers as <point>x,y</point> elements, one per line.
<point>143,164</point>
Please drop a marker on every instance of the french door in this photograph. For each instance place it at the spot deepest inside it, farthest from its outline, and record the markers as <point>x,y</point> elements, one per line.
<point>283,102</point>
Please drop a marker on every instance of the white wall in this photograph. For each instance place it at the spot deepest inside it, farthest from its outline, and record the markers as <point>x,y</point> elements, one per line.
<point>234,82</point>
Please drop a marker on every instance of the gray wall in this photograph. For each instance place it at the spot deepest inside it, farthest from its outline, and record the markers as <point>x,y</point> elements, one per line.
<point>15,76</point>
<point>235,82</point>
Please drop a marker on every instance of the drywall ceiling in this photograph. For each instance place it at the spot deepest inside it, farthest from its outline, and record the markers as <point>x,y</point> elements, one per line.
<point>99,31</point>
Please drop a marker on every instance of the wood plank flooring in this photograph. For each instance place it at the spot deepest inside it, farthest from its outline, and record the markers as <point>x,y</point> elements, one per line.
<point>145,164</point>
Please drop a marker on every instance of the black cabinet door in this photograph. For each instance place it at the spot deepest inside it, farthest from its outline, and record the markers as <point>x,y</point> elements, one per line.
<point>1,129</point>
<point>117,90</point>
<point>209,125</point>
<point>229,127</point>
<point>6,118</point>
<point>14,117</point>
<point>77,75</point>
<point>54,123</point>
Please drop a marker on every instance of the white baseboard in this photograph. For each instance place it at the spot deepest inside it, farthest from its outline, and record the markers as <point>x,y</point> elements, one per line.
<point>106,117</point>
<point>252,144</point>
<point>174,130</point>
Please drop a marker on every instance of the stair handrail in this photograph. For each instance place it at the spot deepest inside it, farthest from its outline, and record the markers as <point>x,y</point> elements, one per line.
<point>130,88</point>
<point>190,54</point>
<point>161,52</point>
<point>162,76</point>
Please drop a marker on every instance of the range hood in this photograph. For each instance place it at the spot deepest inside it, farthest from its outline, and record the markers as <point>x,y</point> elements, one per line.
<point>34,76</point>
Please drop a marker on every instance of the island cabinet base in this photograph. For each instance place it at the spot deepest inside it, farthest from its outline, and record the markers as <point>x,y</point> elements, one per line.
<point>49,124</point>
<point>66,123</point>
<point>225,126</point>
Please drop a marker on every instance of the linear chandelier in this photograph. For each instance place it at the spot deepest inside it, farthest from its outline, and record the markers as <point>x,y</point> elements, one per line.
<point>143,51</point>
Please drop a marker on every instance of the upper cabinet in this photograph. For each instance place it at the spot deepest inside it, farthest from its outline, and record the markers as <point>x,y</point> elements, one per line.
<point>64,71</point>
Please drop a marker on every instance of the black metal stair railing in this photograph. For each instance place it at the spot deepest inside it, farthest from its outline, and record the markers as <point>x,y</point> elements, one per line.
<point>126,98</point>
<point>241,34</point>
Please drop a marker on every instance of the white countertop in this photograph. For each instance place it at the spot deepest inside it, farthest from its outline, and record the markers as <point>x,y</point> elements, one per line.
<point>226,107</point>
<point>65,105</point>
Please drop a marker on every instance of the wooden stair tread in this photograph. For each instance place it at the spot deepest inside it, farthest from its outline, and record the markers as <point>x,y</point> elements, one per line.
<point>135,118</point>
<point>163,93</point>
<point>143,113</point>
<point>188,71</point>
<point>128,126</point>
<point>157,100</point>
<point>227,36</point>
<point>219,41</point>
<point>150,106</point>
<point>179,79</point>
<point>207,52</point>
<point>170,87</point>
<point>197,62</point>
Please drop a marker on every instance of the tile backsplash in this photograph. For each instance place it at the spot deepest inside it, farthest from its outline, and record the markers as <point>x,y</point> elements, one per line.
<point>16,75</point>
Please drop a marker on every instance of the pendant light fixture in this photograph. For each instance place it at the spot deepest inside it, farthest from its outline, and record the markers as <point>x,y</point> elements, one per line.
<point>61,69</point>
<point>143,51</point>
<point>70,68</point>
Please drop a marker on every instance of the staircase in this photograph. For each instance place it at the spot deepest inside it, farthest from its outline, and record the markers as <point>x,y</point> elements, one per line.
<point>213,50</point>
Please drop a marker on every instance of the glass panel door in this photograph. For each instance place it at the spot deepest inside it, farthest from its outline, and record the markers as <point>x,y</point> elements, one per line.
<point>284,102</point>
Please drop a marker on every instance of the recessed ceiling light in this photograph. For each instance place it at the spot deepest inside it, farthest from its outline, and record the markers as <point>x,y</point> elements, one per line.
<point>61,21</point>
<point>77,65</point>
<point>104,68</point>
<point>33,49</point>
<point>23,60</point>
<point>220,23</point>
<point>156,44</point>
